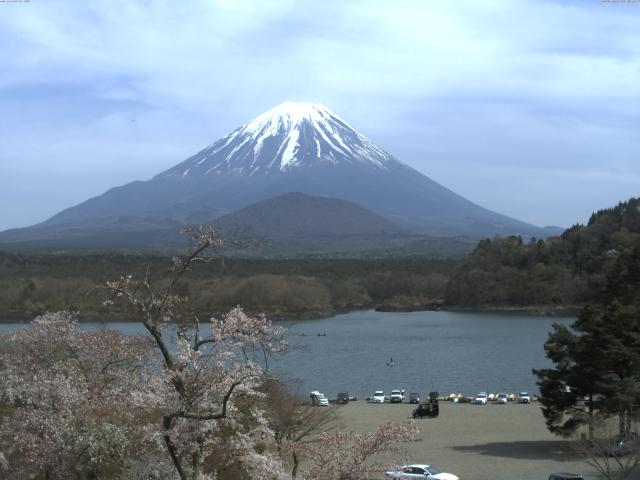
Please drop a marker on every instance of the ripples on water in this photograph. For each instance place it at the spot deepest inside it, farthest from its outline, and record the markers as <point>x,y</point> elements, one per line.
<point>444,351</point>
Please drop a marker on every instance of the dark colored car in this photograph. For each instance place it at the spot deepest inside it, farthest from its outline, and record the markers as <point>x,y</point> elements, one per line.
<point>426,410</point>
<point>565,476</point>
<point>623,444</point>
<point>343,398</point>
<point>414,398</point>
<point>429,408</point>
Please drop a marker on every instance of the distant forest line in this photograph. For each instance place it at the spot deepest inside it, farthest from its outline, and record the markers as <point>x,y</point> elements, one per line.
<point>546,276</point>
<point>30,285</point>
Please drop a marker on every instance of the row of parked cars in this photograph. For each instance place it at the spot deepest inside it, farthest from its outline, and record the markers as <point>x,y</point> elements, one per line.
<point>429,408</point>
<point>396,396</point>
<point>501,398</point>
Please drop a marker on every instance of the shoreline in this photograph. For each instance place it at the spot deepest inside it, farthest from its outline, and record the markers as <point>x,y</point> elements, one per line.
<point>532,310</point>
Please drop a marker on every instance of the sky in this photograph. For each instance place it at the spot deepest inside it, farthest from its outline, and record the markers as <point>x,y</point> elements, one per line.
<point>528,108</point>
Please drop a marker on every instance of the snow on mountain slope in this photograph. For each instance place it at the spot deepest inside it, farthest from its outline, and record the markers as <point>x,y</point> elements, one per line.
<point>287,136</point>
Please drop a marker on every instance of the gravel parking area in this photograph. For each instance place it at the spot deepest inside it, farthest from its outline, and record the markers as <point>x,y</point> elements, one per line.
<point>478,442</point>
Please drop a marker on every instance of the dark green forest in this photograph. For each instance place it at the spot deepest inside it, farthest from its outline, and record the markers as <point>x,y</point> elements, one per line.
<point>32,284</point>
<point>565,271</point>
<point>544,276</point>
<point>597,358</point>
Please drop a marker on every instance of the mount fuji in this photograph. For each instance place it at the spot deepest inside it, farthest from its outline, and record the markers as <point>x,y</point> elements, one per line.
<point>294,147</point>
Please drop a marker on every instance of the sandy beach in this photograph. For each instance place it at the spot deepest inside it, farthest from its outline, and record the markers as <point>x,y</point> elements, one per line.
<point>476,442</point>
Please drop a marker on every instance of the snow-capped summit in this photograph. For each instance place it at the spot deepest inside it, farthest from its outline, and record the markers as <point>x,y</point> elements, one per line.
<point>291,114</point>
<point>292,134</point>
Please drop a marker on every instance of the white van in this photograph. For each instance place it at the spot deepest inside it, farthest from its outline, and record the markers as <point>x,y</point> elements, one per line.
<point>319,399</point>
<point>378,397</point>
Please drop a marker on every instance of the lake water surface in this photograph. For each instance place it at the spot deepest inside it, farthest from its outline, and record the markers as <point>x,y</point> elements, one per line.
<point>445,351</point>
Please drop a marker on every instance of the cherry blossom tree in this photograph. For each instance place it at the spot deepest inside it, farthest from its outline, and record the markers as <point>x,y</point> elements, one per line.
<point>294,420</point>
<point>212,375</point>
<point>78,399</point>
<point>348,455</point>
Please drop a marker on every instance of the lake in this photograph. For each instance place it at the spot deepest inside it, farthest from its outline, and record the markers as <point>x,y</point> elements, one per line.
<point>463,352</point>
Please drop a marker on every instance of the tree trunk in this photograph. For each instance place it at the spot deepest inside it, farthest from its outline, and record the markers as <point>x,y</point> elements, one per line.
<point>296,463</point>
<point>590,417</point>
<point>173,451</point>
<point>198,458</point>
<point>622,422</point>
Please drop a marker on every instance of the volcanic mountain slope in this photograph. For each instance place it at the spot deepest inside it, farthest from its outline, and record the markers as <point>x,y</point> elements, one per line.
<point>295,147</point>
<point>299,225</point>
<point>299,215</point>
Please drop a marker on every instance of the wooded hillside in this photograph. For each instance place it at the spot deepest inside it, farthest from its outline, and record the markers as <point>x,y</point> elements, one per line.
<point>569,270</point>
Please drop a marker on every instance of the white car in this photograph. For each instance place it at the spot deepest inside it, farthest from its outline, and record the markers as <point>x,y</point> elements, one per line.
<point>397,396</point>
<point>502,399</point>
<point>524,397</point>
<point>319,399</point>
<point>420,471</point>
<point>378,397</point>
<point>481,398</point>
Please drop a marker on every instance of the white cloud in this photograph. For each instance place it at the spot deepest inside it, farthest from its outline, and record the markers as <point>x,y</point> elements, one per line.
<point>134,87</point>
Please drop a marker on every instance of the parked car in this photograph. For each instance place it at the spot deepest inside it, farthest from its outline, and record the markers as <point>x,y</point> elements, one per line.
<point>343,398</point>
<point>455,397</point>
<point>414,398</point>
<point>424,410</point>
<point>319,399</point>
<point>378,397</point>
<point>397,396</point>
<point>480,399</point>
<point>502,399</point>
<point>423,471</point>
<point>524,397</point>
<point>623,444</point>
<point>565,476</point>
